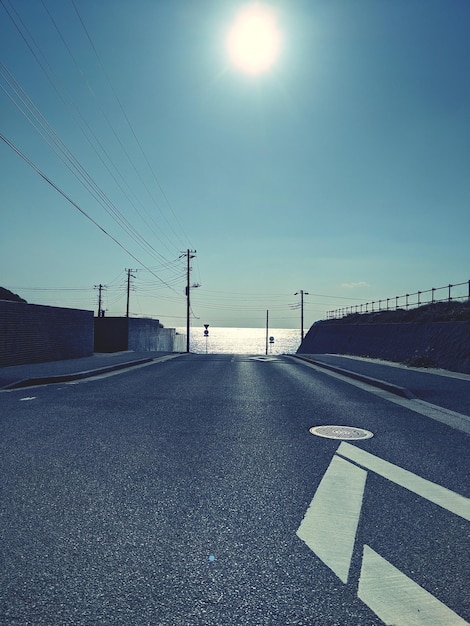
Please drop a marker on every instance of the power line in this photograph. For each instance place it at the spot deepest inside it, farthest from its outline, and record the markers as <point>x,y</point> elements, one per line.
<point>126,117</point>
<point>74,204</point>
<point>51,288</point>
<point>41,123</point>
<point>67,157</point>
<point>259,295</point>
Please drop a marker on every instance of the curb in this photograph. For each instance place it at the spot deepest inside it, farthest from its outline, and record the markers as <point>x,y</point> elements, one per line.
<point>63,378</point>
<point>403,392</point>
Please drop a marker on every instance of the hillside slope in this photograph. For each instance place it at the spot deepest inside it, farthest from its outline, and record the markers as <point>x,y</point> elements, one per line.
<point>435,335</point>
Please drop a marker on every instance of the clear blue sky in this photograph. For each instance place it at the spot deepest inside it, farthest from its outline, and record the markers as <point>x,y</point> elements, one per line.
<point>342,169</point>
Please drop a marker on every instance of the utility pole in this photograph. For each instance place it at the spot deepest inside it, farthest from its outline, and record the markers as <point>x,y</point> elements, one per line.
<point>189,254</point>
<point>302,294</point>
<point>129,276</point>
<point>267,324</point>
<point>100,288</point>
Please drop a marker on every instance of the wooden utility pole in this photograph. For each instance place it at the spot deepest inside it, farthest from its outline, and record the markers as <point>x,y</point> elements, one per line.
<point>302,294</point>
<point>189,254</point>
<point>129,276</point>
<point>267,324</point>
<point>100,288</point>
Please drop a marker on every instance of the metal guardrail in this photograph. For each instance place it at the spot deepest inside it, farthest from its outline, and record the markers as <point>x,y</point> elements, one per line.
<point>411,300</point>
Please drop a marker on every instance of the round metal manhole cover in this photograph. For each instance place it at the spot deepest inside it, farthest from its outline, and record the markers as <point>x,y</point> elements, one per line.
<point>349,433</point>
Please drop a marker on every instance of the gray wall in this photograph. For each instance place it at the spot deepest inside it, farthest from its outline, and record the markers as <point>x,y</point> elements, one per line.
<point>171,341</point>
<point>113,334</point>
<point>442,344</point>
<point>179,343</point>
<point>31,333</point>
<point>144,335</point>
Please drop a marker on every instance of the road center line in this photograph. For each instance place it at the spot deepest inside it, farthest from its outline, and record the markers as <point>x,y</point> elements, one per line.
<point>443,497</point>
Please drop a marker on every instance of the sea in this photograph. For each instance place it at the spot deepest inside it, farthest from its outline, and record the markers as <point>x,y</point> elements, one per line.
<point>243,340</point>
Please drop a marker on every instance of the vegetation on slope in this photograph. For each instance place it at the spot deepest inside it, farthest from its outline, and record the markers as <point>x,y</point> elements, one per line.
<point>453,311</point>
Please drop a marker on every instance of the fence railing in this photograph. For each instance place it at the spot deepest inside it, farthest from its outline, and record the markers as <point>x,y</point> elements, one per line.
<point>448,293</point>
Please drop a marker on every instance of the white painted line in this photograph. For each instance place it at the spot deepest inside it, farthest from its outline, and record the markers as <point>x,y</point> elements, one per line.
<point>443,497</point>
<point>459,421</point>
<point>28,398</point>
<point>424,370</point>
<point>397,599</point>
<point>123,370</point>
<point>330,523</point>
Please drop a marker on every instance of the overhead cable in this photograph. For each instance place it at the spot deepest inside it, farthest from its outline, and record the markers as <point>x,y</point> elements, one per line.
<point>74,204</point>
<point>126,117</point>
<point>48,134</point>
<point>33,111</point>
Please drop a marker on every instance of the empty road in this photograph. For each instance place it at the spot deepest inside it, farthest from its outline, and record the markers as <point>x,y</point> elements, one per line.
<point>192,492</point>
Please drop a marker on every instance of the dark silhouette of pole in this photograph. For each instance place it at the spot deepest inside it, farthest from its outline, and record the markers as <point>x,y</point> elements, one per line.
<point>129,275</point>
<point>302,294</point>
<point>188,305</point>
<point>189,254</point>
<point>267,324</point>
<point>100,288</point>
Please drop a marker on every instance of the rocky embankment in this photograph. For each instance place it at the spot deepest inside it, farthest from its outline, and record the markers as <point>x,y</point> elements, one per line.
<point>434,335</point>
<point>6,294</point>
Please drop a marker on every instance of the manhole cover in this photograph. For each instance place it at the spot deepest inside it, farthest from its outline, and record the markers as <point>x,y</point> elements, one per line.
<point>341,432</point>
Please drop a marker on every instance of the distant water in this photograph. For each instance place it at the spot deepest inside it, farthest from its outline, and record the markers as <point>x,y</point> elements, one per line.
<point>243,340</point>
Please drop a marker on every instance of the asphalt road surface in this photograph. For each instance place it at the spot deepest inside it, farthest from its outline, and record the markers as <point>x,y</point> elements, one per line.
<point>191,492</point>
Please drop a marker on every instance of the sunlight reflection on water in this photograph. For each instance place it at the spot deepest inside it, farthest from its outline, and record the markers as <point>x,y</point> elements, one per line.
<point>243,340</point>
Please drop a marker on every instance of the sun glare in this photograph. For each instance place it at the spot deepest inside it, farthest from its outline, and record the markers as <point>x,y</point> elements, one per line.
<point>254,40</point>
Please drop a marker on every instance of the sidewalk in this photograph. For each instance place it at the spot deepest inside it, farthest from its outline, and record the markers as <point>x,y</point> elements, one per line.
<point>444,388</point>
<point>17,376</point>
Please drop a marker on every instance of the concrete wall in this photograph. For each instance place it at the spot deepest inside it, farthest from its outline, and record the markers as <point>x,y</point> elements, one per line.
<point>179,343</point>
<point>113,334</point>
<point>441,344</point>
<point>144,335</point>
<point>31,333</point>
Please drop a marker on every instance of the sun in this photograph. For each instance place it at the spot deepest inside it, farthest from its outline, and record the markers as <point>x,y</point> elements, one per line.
<point>254,41</point>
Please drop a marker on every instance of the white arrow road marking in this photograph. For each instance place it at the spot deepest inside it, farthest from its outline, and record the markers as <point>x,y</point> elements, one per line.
<point>449,500</point>
<point>330,524</point>
<point>397,599</point>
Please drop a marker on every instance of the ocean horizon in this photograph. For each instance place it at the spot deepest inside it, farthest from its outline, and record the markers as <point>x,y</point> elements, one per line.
<point>242,340</point>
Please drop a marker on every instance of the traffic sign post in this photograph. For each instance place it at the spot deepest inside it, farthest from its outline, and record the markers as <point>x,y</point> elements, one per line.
<point>206,333</point>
